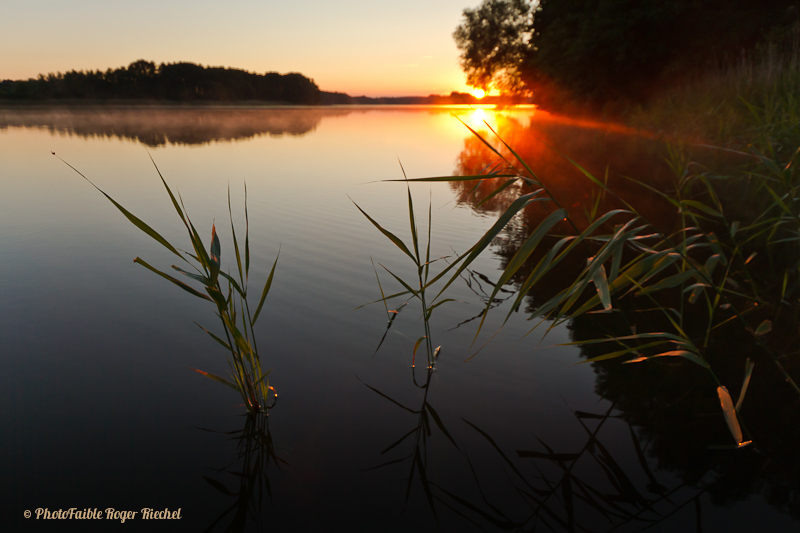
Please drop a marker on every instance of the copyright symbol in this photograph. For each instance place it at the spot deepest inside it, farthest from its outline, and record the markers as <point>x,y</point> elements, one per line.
<point>27,514</point>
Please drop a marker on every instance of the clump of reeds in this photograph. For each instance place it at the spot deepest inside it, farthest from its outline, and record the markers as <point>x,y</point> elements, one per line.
<point>219,288</point>
<point>710,261</point>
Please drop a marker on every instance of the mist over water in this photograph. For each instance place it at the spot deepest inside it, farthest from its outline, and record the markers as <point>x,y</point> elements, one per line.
<point>102,409</point>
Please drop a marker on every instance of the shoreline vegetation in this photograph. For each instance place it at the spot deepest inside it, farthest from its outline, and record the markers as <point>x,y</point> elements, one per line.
<point>145,83</point>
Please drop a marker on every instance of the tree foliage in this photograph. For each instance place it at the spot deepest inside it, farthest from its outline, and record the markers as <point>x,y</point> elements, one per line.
<point>495,40</point>
<point>606,50</point>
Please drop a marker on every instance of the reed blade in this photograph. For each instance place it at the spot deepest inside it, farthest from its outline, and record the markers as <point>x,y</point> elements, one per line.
<point>267,286</point>
<point>177,282</point>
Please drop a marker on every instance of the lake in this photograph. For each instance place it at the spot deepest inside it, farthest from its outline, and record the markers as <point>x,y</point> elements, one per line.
<point>101,409</point>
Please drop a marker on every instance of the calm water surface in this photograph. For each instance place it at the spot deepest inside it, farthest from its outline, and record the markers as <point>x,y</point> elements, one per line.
<point>101,410</point>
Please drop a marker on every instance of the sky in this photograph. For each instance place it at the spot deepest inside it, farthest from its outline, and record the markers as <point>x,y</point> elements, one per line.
<point>360,47</point>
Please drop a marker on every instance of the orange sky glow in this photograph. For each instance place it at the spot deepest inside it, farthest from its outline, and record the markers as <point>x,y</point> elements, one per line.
<point>378,48</point>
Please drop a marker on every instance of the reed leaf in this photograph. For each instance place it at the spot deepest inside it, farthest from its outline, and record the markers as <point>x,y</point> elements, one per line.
<point>136,221</point>
<point>691,356</point>
<point>235,242</point>
<point>391,236</point>
<point>730,414</point>
<point>515,207</point>
<point>601,283</point>
<point>218,379</point>
<point>177,282</point>
<point>267,286</point>
<point>748,372</point>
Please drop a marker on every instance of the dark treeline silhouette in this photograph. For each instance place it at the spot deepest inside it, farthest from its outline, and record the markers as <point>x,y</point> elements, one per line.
<point>454,98</point>
<point>184,82</point>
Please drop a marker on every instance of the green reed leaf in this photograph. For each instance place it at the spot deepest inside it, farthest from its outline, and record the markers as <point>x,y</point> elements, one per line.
<point>402,282</point>
<point>428,247</point>
<point>515,207</point>
<point>216,338</point>
<point>199,248</point>
<point>647,267</point>
<point>214,255</point>
<point>234,283</point>
<point>440,302</point>
<point>246,238</point>
<point>136,221</point>
<point>169,192</point>
<point>391,236</point>
<point>235,241</point>
<point>177,282</point>
<point>528,247</point>
<point>267,286</point>
<point>505,185</point>
<point>218,379</point>
<point>202,279</point>
<point>601,283</point>
<point>702,207</point>
<point>668,282</point>
<point>484,141</point>
<point>555,255</point>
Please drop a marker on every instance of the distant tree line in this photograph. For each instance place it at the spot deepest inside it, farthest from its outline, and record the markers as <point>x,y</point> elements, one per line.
<point>606,50</point>
<point>454,98</point>
<point>184,82</point>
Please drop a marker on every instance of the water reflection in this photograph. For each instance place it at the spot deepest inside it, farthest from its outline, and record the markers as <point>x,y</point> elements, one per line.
<point>249,470</point>
<point>675,409</point>
<point>546,145</point>
<point>604,484</point>
<point>173,126</point>
<point>417,436</point>
<point>671,407</point>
